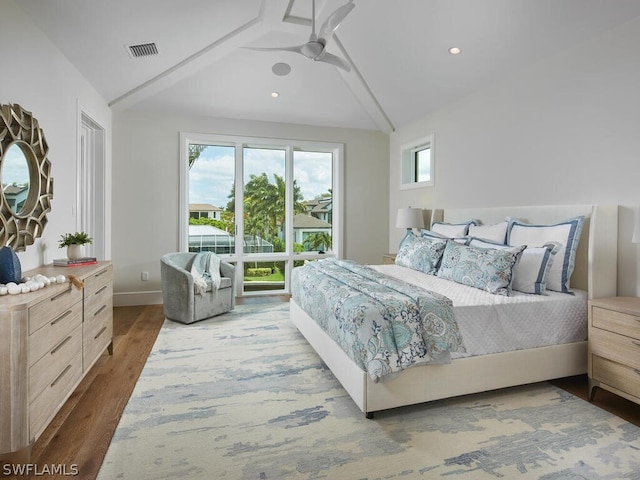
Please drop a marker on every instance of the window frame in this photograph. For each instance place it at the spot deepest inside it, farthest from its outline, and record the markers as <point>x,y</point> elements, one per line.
<point>409,163</point>
<point>240,142</point>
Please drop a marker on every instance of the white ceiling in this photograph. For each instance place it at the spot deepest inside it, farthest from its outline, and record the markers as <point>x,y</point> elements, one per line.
<point>401,69</point>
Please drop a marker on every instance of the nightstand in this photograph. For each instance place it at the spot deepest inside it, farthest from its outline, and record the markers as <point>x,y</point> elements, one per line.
<point>614,346</point>
<point>388,258</point>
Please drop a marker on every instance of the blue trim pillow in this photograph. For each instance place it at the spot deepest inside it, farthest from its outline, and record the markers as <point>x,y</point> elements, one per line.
<point>420,253</point>
<point>531,272</point>
<point>567,234</point>
<point>488,269</point>
<point>452,230</point>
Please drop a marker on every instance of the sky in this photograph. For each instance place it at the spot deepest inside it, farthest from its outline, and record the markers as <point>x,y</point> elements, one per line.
<point>211,176</point>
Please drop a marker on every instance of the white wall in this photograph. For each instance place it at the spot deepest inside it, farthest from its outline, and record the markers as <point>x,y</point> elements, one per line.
<point>38,77</point>
<point>565,131</point>
<point>146,190</point>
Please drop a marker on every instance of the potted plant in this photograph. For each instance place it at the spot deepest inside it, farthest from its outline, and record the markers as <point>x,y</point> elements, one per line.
<point>75,243</point>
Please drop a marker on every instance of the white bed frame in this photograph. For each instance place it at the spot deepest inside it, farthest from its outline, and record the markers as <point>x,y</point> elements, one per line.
<point>595,271</point>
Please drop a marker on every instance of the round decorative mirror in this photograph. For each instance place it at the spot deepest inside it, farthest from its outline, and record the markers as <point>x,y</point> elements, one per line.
<point>25,172</point>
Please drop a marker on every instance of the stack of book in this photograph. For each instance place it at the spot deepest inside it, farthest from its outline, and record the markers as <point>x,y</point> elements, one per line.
<point>76,262</point>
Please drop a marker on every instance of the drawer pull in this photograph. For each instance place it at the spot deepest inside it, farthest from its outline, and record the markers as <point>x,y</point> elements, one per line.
<point>56,297</point>
<point>59,346</point>
<point>102,272</point>
<point>59,377</point>
<point>99,310</point>
<point>102,330</point>
<point>65,314</point>
<point>102,289</point>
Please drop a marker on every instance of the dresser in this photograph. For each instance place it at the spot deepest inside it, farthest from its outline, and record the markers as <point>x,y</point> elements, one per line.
<point>614,346</point>
<point>49,339</point>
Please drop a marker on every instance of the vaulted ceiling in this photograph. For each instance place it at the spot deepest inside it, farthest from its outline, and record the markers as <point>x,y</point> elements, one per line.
<point>398,52</point>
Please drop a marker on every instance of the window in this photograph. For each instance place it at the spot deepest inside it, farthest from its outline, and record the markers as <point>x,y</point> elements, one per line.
<point>266,205</point>
<point>417,162</point>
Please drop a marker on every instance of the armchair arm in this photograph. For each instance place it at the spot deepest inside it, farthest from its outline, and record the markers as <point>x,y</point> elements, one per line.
<point>177,291</point>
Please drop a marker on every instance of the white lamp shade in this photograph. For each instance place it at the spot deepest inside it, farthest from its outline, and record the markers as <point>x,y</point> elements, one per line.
<point>409,218</point>
<point>636,231</point>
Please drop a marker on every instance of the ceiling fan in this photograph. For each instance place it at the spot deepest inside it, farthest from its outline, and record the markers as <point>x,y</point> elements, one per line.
<point>315,48</point>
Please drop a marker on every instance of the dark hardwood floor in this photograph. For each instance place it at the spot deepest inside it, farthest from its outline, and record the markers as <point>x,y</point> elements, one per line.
<point>81,432</point>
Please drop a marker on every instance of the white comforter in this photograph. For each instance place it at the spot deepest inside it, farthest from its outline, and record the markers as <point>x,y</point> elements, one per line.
<point>497,323</point>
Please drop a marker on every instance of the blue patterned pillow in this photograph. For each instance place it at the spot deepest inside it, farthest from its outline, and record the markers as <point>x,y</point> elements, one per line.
<point>488,269</point>
<point>420,253</point>
<point>531,272</point>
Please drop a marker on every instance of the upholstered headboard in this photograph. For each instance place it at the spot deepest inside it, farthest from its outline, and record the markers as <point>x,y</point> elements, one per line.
<point>597,254</point>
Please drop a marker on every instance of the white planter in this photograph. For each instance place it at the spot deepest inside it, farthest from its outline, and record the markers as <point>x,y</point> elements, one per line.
<point>75,251</point>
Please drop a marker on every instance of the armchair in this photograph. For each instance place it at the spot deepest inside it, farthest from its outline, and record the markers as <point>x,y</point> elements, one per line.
<point>180,300</point>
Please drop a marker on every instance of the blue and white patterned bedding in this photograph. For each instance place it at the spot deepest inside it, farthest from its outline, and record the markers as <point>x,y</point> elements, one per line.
<point>383,324</point>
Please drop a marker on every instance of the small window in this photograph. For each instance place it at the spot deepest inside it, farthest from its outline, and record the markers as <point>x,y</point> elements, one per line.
<point>417,160</point>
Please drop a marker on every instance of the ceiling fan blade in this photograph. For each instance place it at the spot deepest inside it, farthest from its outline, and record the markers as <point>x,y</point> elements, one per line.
<point>333,60</point>
<point>334,20</point>
<point>297,49</point>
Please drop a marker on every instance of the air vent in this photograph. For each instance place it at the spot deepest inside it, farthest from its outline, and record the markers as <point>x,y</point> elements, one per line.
<point>143,50</point>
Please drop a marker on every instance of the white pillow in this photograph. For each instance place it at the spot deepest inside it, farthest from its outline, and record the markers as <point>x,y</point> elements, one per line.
<point>452,230</point>
<point>567,234</point>
<point>530,274</point>
<point>496,232</point>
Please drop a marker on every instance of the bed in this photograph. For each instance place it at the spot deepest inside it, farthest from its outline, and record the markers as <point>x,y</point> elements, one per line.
<point>594,276</point>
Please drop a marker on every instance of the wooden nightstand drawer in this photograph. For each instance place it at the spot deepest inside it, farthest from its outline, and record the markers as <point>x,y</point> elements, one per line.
<point>619,348</point>
<point>618,376</point>
<point>618,322</point>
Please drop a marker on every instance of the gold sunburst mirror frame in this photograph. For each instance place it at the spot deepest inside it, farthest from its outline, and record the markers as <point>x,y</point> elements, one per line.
<point>24,203</point>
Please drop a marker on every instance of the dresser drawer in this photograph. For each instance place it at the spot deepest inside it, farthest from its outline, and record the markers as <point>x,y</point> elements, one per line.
<point>45,371</point>
<point>95,341</point>
<point>94,282</point>
<point>616,375</point>
<point>45,405</point>
<point>618,348</point>
<point>44,339</point>
<point>618,322</point>
<point>42,313</point>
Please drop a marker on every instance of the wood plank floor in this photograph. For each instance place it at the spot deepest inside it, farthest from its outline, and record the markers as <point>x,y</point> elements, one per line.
<point>81,432</point>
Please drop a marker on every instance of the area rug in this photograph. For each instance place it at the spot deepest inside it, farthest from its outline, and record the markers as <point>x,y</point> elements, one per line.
<point>244,396</point>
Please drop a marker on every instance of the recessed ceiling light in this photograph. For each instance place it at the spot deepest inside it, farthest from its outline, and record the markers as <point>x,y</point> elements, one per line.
<point>455,51</point>
<point>281,69</point>
<point>275,94</point>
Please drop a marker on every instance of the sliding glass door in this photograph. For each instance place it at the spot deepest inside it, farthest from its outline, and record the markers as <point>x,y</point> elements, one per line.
<point>265,205</point>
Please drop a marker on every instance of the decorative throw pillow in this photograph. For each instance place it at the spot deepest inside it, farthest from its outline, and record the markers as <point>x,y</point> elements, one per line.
<point>420,253</point>
<point>496,232</point>
<point>531,272</point>
<point>488,269</point>
<point>567,234</point>
<point>452,230</point>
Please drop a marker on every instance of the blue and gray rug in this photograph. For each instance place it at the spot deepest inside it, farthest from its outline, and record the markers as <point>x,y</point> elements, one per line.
<point>245,397</point>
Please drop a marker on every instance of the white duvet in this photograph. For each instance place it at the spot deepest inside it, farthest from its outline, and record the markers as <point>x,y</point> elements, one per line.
<point>497,323</point>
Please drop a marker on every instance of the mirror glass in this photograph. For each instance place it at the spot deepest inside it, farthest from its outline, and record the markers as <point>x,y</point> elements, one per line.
<point>15,177</point>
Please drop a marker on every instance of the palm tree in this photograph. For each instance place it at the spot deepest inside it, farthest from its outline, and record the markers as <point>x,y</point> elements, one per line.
<point>319,241</point>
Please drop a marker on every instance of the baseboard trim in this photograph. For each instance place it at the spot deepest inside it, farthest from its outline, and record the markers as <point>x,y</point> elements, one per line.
<point>130,299</point>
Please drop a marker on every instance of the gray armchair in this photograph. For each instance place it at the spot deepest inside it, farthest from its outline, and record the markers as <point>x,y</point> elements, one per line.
<point>180,300</point>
